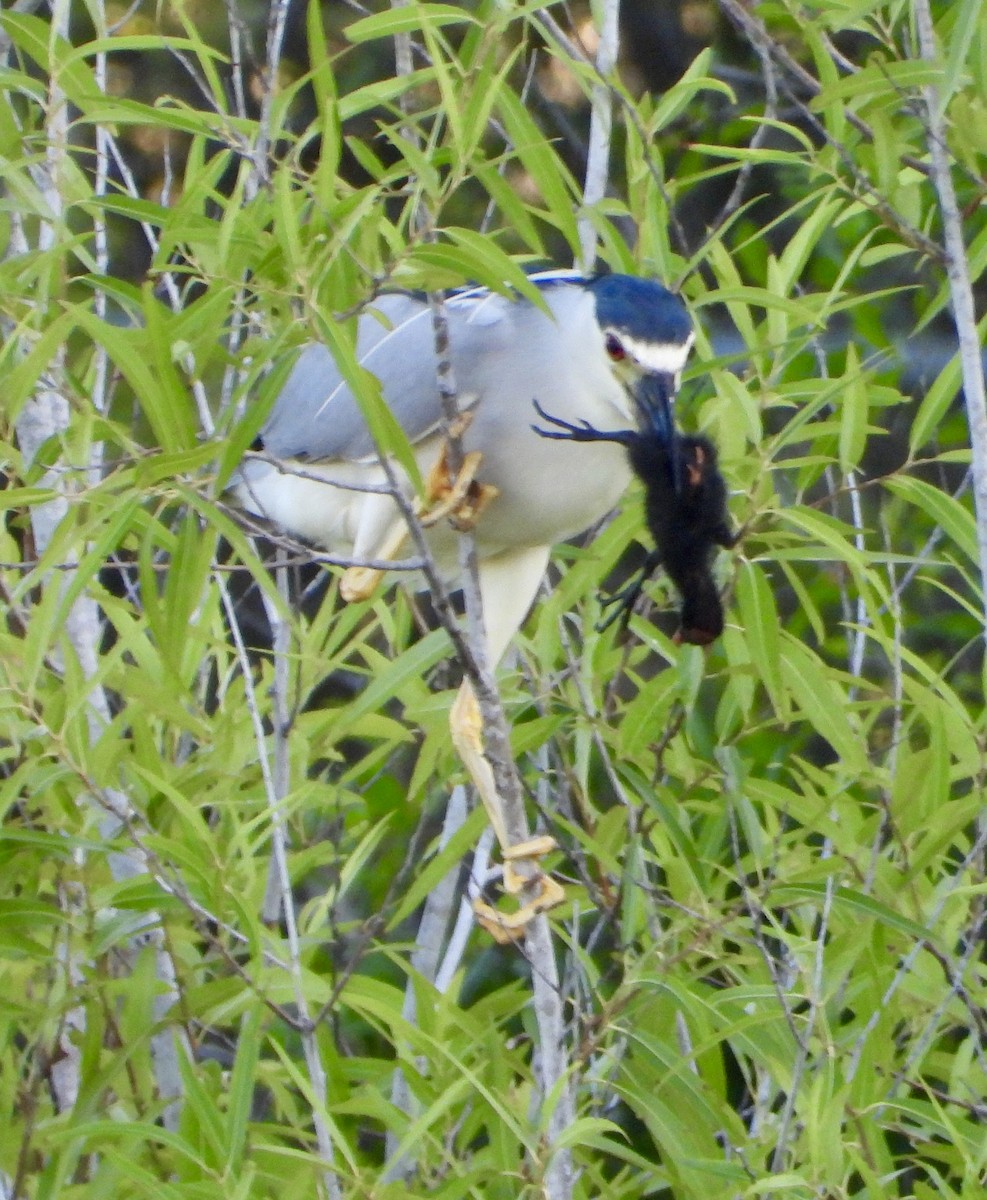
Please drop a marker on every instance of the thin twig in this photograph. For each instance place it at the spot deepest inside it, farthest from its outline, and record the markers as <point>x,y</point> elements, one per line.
<point>600,128</point>
<point>276,787</point>
<point>552,1051</point>
<point>960,290</point>
<point>276,22</point>
<point>425,962</point>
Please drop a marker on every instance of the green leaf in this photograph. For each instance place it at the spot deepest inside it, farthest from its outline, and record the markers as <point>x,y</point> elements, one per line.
<point>438,866</point>
<point>242,1087</point>
<point>853,413</point>
<point>540,159</point>
<point>859,905</point>
<point>53,54</point>
<point>935,404</point>
<point>386,685</point>
<point>822,701</point>
<point>957,522</point>
<point>684,91</point>
<point>389,438</point>
<point>406,18</point>
<point>759,618</point>
<point>145,359</point>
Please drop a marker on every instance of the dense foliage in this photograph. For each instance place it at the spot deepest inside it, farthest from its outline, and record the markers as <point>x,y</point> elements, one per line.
<point>222,866</point>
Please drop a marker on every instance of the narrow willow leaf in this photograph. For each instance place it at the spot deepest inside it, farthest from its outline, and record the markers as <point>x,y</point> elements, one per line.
<point>859,905</point>
<point>430,874</point>
<point>683,92</point>
<point>242,1087</point>
<point>853,413</point>
<point>823,702</point>
<point>967,21</point>
<point>882,81</point>
<point>500,272</point>
<point>388,435</point>
<point>935,403</point>
<point>805,240</point>
<point>53,54</point>
<point>386,685</point>
<point>383,92</point>
<point>406,19</point>
<point>956,521</point>
<point>542,162</point>
<point>163,399</point>
<point>759,618</point>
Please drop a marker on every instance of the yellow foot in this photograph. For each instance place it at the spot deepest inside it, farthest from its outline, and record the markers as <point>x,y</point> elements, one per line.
<point>510,927</point>
<point>461,499</point>
<point>533,849</point>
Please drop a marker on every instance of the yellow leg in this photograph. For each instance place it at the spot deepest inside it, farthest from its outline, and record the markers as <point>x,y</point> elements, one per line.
<point>467,736</point>
<point>461,500</point>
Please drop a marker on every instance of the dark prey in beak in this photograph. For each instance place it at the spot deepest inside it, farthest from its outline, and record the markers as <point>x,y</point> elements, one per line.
<point>685,508</point>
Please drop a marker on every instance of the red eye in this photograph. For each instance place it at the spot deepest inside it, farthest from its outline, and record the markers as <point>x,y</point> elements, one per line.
<point>614,348</point>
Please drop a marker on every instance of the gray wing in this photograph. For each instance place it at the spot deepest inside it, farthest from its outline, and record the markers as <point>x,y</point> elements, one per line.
<point>316,416</point>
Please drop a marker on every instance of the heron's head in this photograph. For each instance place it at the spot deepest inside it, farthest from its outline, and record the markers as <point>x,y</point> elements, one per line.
<point>647,336</point>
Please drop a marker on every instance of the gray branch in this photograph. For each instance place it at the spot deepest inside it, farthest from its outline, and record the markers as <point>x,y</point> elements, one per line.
<point>960,290</point>
<point>601,125</point>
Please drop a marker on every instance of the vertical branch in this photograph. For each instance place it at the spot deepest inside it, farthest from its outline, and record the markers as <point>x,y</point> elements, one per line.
<point>260,176</point>
<point>425,961</point>
<point>100,241</point>
<point>279,783</point>
<point>552,1057</point>
<point>239,45</point>
<point>960,290</point>
<point>858,638</point>
<point>600,128</point>
<point>552,1053</point>
<point>282,785</point>
<point>276,22</point>
<point>238,34</point>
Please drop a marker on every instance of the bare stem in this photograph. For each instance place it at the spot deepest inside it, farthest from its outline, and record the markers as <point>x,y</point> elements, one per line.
<point>425,960</point>
<point>960,289</point>
<point>601,125</point>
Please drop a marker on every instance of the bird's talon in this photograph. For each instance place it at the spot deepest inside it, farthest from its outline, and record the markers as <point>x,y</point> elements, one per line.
<point>500,926</point>
<point>536,847</point>
<point>462,499</point>
<point>529,851</point>
<point>509,927</point>
<point>468,513</point>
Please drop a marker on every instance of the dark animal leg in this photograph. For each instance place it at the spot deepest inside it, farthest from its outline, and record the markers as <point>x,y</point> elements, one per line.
<point>622,602</point>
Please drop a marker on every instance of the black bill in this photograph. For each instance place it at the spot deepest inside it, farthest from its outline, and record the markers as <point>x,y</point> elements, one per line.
<point>654,394</point>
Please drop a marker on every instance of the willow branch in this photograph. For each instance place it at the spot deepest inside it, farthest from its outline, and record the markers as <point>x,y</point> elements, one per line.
<point>601,126</point>
<point>960,290</point>
<point>425,960</point>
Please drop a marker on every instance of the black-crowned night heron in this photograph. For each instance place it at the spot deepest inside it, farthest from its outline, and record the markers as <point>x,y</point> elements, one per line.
<point>606,351</point>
